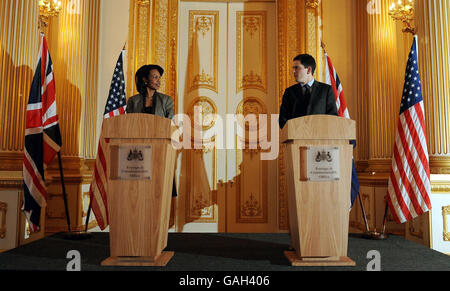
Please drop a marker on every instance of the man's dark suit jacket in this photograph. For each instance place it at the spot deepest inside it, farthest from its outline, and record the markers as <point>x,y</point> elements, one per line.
<point>294,105</point>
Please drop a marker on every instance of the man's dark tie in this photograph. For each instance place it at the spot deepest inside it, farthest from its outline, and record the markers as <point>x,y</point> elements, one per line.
<point>306,90</point>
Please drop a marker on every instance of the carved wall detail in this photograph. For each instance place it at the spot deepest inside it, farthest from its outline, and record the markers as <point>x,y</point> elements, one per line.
<point>203,50</point>
<point>251,71</point>
<point>200,205</point>
<point>445,216</point>
<point>208,112</point>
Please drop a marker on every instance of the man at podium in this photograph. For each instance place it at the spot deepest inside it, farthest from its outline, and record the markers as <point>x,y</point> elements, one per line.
<point>308,96</point>
<point>149,100</point>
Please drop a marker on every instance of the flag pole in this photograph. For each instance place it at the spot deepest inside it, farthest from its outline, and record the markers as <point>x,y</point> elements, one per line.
<point>71,235</point>
<point>373,234</point>
<point>364,213</point>
<point>87,216</point>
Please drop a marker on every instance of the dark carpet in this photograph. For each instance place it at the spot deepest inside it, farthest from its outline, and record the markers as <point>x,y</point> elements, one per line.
<point>223,252</point>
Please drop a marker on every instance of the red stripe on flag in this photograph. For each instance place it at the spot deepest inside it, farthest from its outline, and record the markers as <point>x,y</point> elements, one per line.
<point>399,194</point>
<point>96,209</point>
<point>391,206</point>
<point>33,118</point>
<point>101,156</point>
<point>49,153</point>
<point>43,62</point>
<point>402,171</point>
<point>36,181</point>
<point>51,120</point>
<point>422,157</point>
<point>332,79</point>
<point>50,93</point>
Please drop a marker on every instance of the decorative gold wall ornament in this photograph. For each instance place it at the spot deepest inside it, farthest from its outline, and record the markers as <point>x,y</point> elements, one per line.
<point>251,41</point>
<point>251,24</point>
<point>251,105</point>
<point>208,112</point>
<point>203,79</point>
<point>143,2</point>
<point>251,207</point>
<point>201,207</point>
<point>203,24</point>
<point>252,80</point>
<point>403,10</point>
<point>445,215</point>
<point>47,9</point>
<point>203,49</point>
<point>313,4</point>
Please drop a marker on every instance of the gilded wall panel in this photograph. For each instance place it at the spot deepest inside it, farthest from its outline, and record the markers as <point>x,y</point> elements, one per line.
<point>159,42</point>
<point>251,71</point>
<point>251,195</point>
<point>200,205</point>
<point>203,51</point>
<point>251,201</point>
<point>139,39</point>
<point>283,72</point>
<point>446,224</point>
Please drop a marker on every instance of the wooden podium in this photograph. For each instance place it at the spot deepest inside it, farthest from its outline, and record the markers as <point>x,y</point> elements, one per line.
<point>318,176</point>
<point>140,167</point>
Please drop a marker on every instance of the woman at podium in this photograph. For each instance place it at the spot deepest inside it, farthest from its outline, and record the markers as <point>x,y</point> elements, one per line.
<point>149,100</point>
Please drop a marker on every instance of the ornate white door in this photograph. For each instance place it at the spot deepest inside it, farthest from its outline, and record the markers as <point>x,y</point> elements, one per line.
<point>226,67</point>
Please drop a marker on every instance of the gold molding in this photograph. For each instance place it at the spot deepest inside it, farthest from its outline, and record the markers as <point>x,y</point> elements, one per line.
<point>208,107</point>
<point>172,51</point>
<point>202,79</point>
<point>283,72</point>
<point>251,80</point>
<point>253,209</point>
<point>439,165</point>
<point>445,214</point>
<point>160,37</point>
<point>312,4</point>
<point>194,207</point>
<point>440,187</point>
<point>139,40</point>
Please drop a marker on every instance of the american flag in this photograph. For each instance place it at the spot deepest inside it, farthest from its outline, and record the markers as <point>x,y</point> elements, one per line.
<point>42,137</point>
<point>115,105</point>
<point>409,183</point>
<point>331,78</point>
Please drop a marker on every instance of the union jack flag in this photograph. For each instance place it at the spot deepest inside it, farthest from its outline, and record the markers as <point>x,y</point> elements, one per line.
<point>331,78</point>
<point>42,137</point>
<point>409,183</point>
<point>115,105</point>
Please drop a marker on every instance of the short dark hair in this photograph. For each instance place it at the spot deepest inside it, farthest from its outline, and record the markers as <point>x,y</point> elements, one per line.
<point>307,61</point>
<point>142,73</point>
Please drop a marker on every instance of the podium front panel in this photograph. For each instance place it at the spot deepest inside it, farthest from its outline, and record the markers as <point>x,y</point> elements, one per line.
<point>139,208</point>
